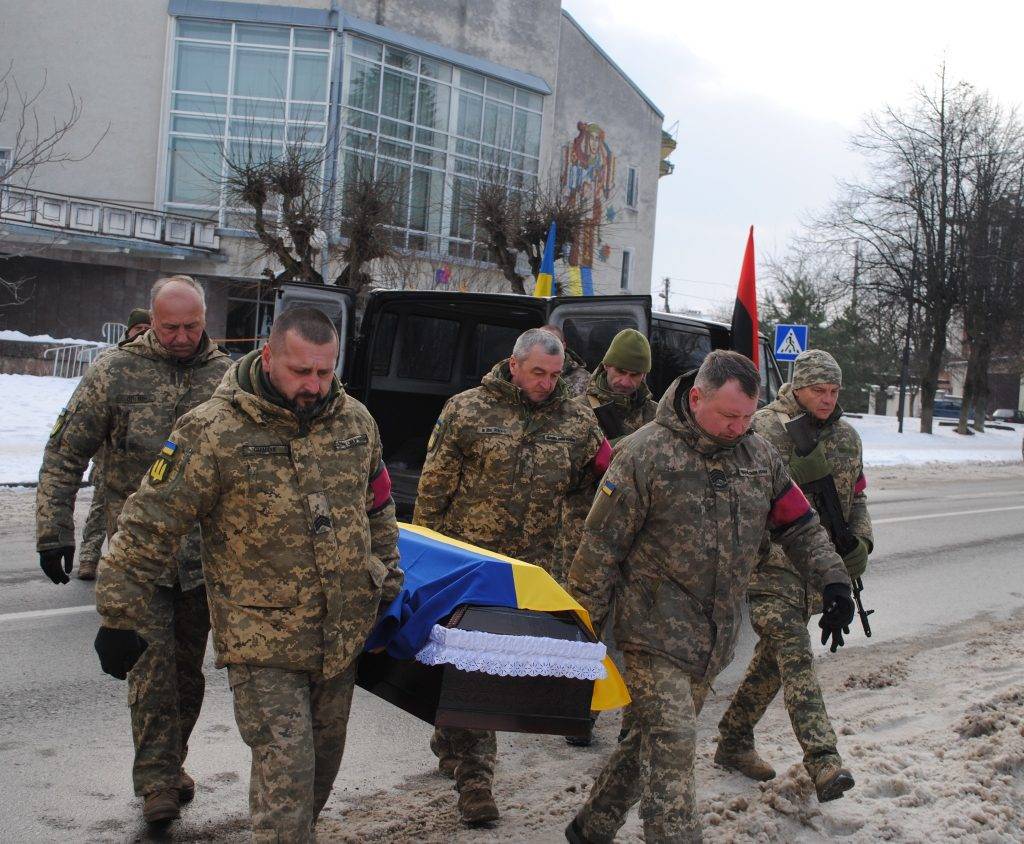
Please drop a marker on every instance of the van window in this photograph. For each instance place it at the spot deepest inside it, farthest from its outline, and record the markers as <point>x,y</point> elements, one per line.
<point>427,348</point>
<point>681,349</point>
<point>383,343</point>
<point>590,337</point>
<point>491,343</point>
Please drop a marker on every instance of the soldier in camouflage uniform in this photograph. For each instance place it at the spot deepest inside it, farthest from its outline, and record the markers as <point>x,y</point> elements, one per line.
<point>781,599</point>
<point>618,393</point>
<point>283,471</point>
<point>674,530</point>
<point>95,529</point>
<point>574,369</point>
<point>502,458</point>
<point>125,406</point>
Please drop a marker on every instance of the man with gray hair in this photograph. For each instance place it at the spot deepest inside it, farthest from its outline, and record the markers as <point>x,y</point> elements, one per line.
<point>126,405</point>
<point>673,534</point>
<point>500,463</point>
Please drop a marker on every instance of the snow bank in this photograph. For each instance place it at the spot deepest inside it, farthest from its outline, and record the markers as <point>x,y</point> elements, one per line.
<point>17,336</point>
<point>883,446</point>
<point>30,406</point>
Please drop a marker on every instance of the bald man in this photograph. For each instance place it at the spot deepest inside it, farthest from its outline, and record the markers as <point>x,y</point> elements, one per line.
<point>126,405</point>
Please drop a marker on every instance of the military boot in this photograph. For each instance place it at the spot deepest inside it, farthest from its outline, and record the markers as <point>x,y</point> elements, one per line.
<point>186,787</point>
<point>746,762</point>
<point>162,805</point>
<point>87,569</point>
<point>477,807</point>
<point>831,782</point>
<point>574,834</point>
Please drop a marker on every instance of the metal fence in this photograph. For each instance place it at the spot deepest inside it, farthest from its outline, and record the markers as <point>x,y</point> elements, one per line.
<point>72,361</point>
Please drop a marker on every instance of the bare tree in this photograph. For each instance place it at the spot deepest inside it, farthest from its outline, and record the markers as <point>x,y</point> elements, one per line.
<point>909,214</point>
<point>36,140</point>
<point>993,286</point>
<point>368,215</point>
<point>516,221</point>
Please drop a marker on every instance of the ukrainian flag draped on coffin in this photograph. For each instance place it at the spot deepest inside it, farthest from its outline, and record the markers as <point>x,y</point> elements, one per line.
<point>442,573</point>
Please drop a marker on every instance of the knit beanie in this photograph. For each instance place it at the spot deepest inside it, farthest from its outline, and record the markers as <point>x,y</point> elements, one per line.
<point>629,350</point>
<point>140,316</point>
<point>816,366</point>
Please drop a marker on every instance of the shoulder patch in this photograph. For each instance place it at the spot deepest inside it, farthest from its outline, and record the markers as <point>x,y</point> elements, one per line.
<point>162,465</point>
<point>58,426</point>
<point>435,435</point>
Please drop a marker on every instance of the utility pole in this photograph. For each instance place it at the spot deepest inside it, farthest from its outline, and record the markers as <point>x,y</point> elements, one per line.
<point>664,294</point>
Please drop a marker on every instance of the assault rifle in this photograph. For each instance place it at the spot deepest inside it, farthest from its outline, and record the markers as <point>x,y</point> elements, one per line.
<point>826,496</point>
<point>858,587</point>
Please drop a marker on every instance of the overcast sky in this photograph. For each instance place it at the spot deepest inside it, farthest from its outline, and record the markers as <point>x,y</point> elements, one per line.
<point>767,95</point>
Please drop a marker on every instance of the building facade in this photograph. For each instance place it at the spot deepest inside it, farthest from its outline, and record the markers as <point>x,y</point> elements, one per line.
<point>439,96</point>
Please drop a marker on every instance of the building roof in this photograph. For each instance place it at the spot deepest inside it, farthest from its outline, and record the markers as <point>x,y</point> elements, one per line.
<point>612,62</point>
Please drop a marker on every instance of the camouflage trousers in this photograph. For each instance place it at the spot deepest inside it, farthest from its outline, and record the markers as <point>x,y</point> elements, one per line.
<point>782,658</point>
<point>165,688</point>
<point>654,762</point>
<point>294,723</point>
<point>476,750</point>
<point>95,529</point>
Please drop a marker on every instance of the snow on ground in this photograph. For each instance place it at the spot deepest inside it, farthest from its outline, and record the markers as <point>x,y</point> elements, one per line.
<point>29,405</point>
<point>931,727</point>
<point>884,446</point>
<point>17,336</point>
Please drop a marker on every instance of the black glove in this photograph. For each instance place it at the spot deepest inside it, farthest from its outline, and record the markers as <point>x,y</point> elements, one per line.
<point>50,563</point>
<point>119,650</point>
<point>838,612</point>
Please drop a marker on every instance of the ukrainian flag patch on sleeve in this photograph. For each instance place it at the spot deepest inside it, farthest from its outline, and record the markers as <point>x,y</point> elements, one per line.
<point>161,466</point>
<point>607,487</point>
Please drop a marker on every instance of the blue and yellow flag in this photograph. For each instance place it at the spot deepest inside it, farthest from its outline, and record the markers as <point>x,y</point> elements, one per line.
<point>546,276</point>
<point>442,573</point>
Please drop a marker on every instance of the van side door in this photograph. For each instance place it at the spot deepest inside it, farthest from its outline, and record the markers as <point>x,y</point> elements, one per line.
<point>336,302</point>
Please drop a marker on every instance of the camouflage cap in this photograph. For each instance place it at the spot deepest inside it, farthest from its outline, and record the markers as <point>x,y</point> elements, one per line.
<point>816,366</point>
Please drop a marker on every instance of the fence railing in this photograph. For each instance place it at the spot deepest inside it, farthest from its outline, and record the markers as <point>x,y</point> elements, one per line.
<point>72,361</point>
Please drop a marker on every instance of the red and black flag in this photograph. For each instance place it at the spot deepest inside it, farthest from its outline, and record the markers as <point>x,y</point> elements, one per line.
<point>744,315</point>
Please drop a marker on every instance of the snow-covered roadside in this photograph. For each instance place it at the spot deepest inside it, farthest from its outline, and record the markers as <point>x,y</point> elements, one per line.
<point>931,727</point>
<point>884,446</point>
<point>29,405</point>
<point>19,337</point>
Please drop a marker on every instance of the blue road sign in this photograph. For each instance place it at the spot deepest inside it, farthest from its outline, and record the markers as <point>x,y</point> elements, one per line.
<point>790,340</point>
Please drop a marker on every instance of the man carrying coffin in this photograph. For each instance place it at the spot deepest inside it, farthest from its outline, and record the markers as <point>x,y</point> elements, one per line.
<point>674,531</point>
<point>500,463</point>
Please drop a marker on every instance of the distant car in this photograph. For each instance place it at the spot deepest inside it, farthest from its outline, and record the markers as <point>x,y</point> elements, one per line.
<point>1006,414</point>
<point>947,408</point>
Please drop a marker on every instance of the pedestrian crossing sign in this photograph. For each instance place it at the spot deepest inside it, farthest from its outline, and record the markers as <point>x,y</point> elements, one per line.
<point>790,340</point>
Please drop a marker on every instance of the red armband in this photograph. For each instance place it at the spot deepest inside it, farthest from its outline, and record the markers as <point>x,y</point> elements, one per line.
<point>380,487</point>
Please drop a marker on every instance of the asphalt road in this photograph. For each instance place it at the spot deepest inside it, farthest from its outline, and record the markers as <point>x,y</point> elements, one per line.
<point>948,549</point>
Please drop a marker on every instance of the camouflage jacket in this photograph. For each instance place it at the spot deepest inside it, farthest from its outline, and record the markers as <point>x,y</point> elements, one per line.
<point>776,575</point>
<point>499,467</point>
<point>125,406</point>
<point>634,410</point>
<point>675,529</point>
<point>299,531</point>
<point>575,374</point>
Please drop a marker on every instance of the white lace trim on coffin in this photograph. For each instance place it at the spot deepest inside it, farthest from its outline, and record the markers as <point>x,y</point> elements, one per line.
<point>514,656</point>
